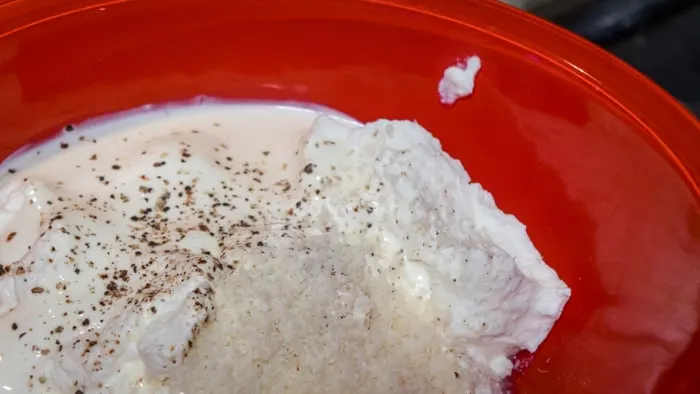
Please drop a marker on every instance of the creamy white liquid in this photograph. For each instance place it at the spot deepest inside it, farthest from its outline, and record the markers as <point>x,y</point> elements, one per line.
<point>115,247</point>
<point>115,176</point>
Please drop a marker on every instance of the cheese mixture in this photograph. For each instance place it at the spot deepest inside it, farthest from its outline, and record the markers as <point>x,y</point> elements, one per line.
<point>232,248</point>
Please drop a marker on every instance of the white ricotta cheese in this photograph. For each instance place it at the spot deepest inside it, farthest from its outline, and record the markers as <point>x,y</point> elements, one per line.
<point>262,249</point>
<point>458,81</point>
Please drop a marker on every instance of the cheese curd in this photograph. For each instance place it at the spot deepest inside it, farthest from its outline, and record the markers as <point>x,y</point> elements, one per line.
<point>260,248</point>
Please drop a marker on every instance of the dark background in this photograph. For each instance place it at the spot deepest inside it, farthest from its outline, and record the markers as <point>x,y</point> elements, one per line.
<point>661,38</point>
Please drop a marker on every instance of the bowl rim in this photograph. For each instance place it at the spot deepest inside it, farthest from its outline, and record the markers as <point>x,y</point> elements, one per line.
<point>669,124</point>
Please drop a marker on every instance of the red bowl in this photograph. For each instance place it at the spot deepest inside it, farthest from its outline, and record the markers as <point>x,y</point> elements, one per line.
<point>602,165</point>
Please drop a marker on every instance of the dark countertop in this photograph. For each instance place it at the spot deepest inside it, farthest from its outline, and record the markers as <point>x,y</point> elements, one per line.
<point>669,53</point>
<point>661,38</point>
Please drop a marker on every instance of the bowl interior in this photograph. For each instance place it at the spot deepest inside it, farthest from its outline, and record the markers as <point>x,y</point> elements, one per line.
<point>611,205</point>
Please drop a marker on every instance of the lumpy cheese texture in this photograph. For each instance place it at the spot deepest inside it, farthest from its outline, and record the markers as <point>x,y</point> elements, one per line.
<point>261,249</point>
<point>458,81</point>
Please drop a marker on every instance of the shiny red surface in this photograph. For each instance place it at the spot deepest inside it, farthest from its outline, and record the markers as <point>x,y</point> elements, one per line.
<point>600,164</point>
